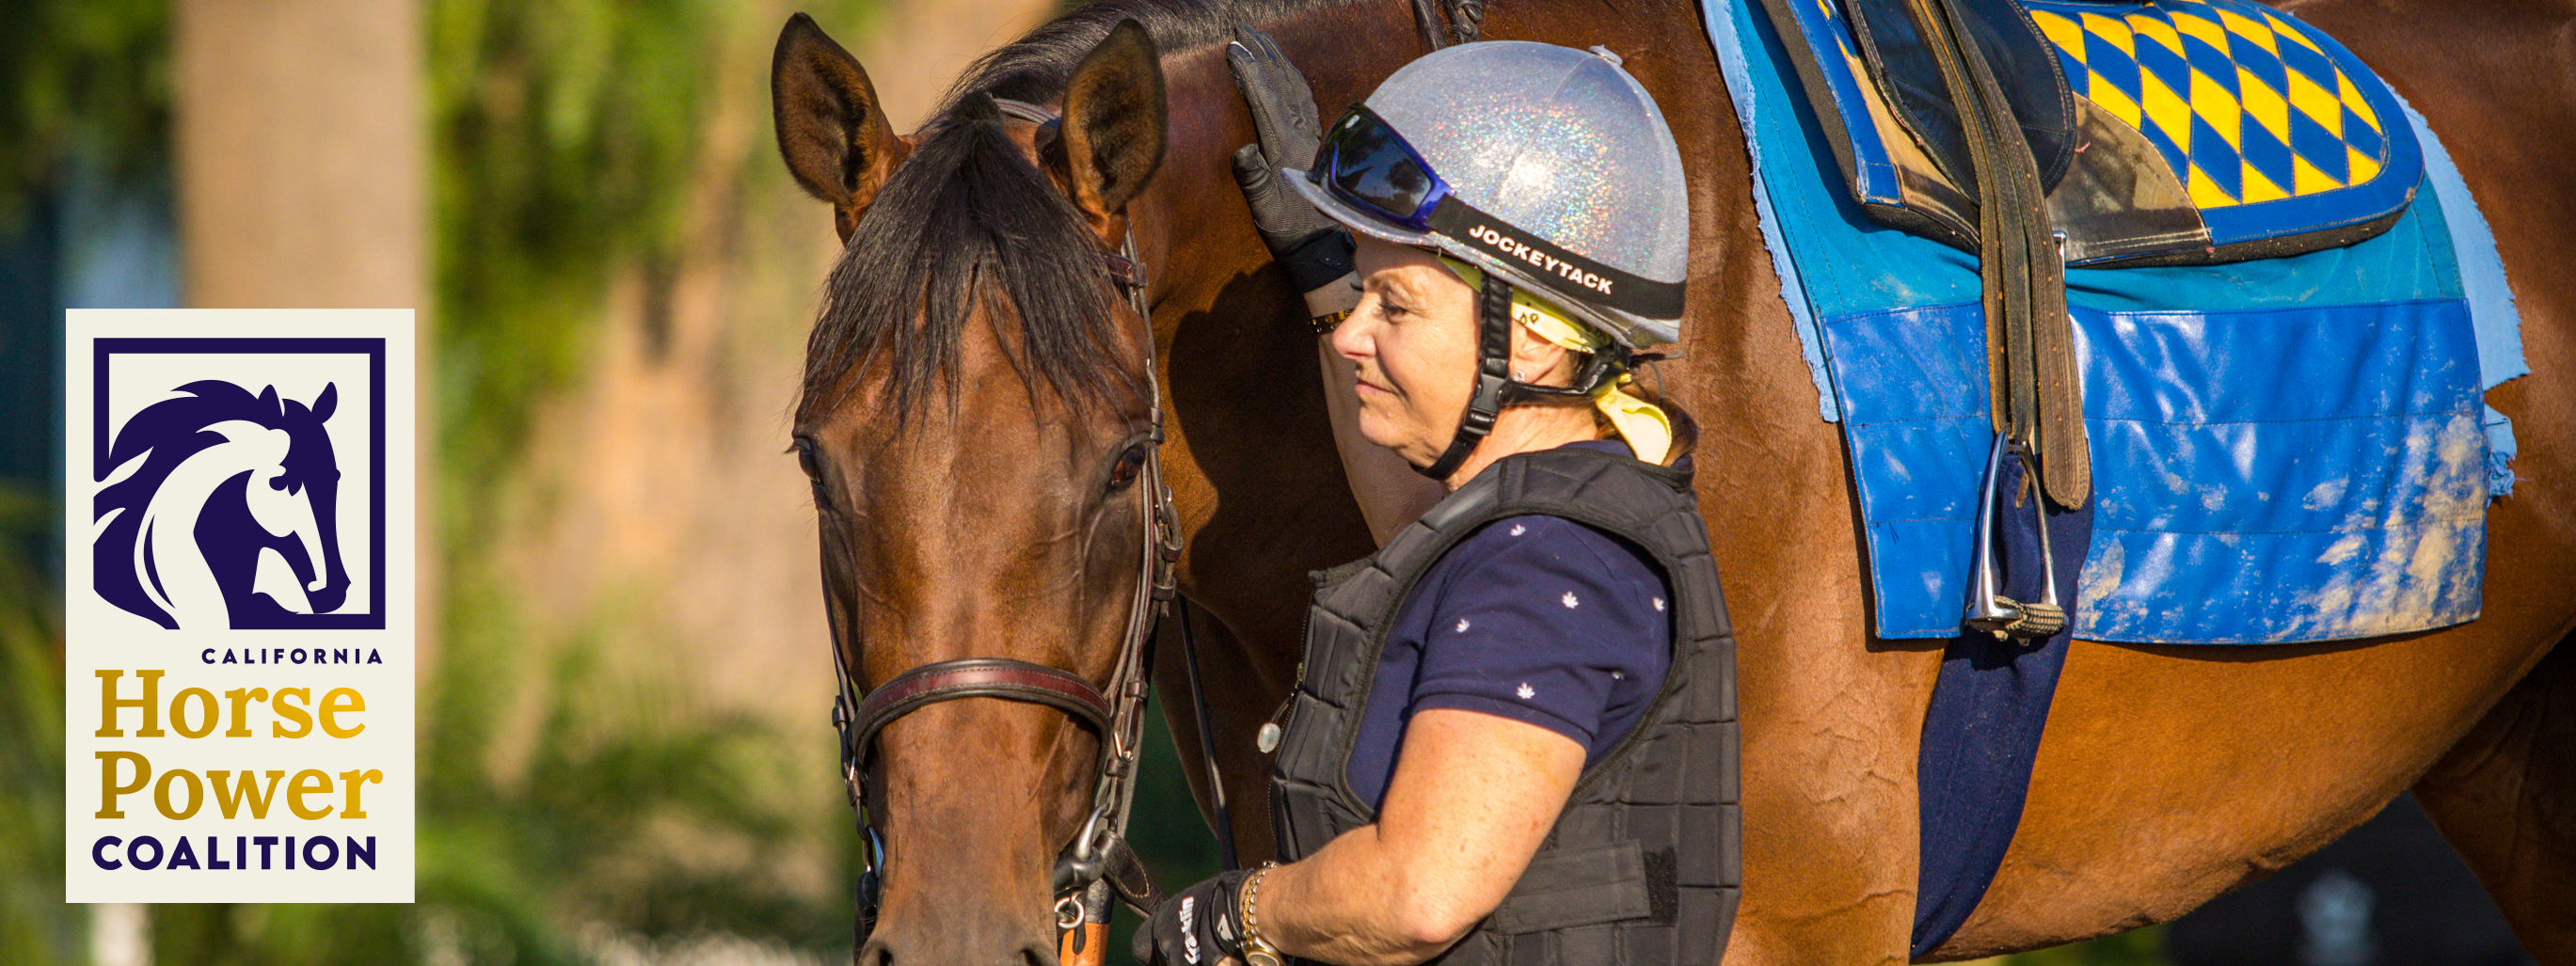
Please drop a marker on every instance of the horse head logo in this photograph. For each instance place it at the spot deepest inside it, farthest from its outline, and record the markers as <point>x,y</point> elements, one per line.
<point>217,508</point>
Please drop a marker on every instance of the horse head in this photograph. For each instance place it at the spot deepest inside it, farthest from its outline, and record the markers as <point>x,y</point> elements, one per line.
<point>309,471</point>
<point>977,418</point>
<point>217,474</point>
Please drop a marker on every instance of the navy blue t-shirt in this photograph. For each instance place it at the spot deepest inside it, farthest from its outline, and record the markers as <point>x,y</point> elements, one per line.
<point>1538,619</point>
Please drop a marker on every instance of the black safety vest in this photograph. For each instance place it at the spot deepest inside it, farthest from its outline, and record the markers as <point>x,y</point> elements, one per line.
<point>1644,866</point>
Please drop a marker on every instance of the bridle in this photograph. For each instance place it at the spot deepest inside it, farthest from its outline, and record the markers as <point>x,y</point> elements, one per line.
<point>1097,862</point>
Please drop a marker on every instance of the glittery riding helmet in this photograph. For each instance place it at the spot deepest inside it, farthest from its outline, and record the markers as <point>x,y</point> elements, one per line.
<point>1547,165</point>
<point>1546,179</point>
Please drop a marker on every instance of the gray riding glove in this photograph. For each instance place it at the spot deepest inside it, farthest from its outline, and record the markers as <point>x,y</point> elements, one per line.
<point>1312,249</point>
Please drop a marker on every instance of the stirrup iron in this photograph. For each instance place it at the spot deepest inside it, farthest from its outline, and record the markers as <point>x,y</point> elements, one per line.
<point>1988,609</point>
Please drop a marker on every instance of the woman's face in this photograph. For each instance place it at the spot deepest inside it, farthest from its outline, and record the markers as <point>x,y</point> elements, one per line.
<point>1413,340</point>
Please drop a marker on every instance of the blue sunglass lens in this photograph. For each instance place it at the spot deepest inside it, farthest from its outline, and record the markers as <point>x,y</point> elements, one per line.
<point>1371,166</point>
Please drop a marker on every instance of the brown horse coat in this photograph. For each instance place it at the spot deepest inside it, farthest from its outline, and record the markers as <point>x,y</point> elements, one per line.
<point>2168,774</point>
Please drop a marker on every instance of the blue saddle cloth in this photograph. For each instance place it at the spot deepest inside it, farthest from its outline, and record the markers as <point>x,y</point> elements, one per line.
<point>2289,449</point>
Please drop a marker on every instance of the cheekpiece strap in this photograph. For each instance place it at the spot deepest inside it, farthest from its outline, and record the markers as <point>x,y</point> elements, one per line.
<point>1124,270</point>
<point>1493,374</point>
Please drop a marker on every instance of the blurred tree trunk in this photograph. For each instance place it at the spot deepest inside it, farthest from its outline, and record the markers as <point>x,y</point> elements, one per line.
<point>301,171</point>
<point>302,178</point>
<point>920,46</point>
<point>299,143</point>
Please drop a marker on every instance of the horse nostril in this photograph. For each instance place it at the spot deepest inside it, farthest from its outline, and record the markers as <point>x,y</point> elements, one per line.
<point>872,953</point>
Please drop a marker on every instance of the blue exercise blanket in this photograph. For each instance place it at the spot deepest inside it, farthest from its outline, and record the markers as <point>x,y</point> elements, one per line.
<point>2292,449</point>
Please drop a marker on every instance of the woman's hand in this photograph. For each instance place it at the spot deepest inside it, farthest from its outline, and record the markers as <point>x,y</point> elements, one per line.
<point>1194,927</point>
<point>1313,249</point>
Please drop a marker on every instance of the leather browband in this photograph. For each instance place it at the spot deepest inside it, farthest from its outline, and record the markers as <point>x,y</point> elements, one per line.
<point>979,677</point>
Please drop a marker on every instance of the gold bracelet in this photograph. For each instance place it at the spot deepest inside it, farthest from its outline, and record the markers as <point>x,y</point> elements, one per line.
<point>1324,324</point>
<point>1256,951</point>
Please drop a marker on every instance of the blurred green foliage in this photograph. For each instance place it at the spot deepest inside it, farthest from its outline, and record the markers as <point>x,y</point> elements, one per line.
<point>563,133</point>
<point>35,925</point>
<point>2137,947</point>
<point>603,829</point>
<point>1166,828</point>
<point>85,75</point>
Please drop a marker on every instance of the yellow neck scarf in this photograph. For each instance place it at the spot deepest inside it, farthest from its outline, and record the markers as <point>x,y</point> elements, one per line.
<point>1645,428</point>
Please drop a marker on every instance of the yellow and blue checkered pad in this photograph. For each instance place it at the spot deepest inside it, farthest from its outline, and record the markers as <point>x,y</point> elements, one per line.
<point>2272,128</point>
<point>2270,125</point>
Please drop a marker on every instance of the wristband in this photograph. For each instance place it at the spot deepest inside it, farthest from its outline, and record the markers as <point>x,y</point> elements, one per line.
<point>1256,950</point>
<point>1331,302</point>
<point>1317,259</point>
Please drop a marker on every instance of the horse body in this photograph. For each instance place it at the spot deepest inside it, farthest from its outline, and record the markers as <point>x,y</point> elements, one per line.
<point>2168,774</point>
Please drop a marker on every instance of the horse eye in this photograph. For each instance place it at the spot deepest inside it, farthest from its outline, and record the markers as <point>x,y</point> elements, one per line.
<point>805,459</point>
<point>1122,474</point>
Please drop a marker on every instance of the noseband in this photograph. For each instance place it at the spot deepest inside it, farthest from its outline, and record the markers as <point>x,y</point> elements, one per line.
<point>1097,863</point>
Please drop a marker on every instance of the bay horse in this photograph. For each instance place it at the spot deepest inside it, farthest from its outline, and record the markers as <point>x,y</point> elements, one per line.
<point>973,400</point>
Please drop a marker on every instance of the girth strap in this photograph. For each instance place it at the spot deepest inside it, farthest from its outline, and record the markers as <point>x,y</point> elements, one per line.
<point>2030,353</point>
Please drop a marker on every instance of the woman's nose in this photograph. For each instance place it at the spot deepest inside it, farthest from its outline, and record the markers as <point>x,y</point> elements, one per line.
<point>1353,338</point>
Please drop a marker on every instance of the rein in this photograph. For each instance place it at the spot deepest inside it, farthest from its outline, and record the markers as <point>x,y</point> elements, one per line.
<point>1098,862</point>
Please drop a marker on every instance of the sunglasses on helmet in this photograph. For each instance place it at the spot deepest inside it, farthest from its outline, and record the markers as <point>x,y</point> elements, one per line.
<point>1365,163</point>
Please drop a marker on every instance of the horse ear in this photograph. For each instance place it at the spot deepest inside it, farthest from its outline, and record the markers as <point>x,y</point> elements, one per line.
<point>326,402</point>
<point>1114,123</point>
<point>268,401</point>
<point>831,131</point>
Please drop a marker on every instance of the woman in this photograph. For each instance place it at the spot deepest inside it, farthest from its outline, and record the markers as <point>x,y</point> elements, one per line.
<point>1490,756</point>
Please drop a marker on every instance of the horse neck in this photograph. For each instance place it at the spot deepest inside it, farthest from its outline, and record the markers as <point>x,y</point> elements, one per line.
<point>1209,267</point>
<point>171,516</point>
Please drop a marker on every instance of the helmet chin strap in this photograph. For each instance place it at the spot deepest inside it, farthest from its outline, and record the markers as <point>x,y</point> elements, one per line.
<point>1493,373</point>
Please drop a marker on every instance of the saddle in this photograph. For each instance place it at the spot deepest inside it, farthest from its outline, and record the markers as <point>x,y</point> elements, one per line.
<point>2166,132</point>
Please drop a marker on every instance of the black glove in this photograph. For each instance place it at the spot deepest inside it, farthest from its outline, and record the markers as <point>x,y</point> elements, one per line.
<point>1194,927</point>
<point>1311,247</point>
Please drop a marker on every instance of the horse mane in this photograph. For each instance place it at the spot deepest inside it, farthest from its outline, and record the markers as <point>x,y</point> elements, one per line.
<point>967,219</point>
<point>170,430</point>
